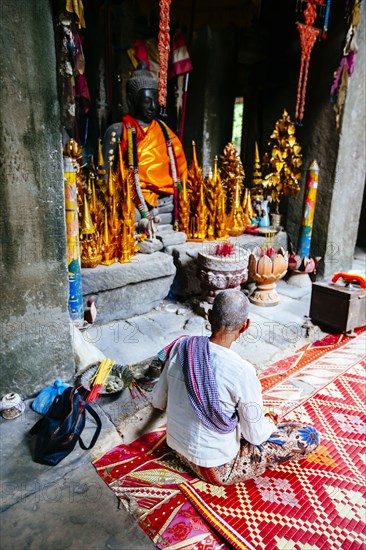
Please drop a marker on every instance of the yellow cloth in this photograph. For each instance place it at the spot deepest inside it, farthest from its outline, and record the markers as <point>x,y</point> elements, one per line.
<point>76,7</point>
<point>153,160</point>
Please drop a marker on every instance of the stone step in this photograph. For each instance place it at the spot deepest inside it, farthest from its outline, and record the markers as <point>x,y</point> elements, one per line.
<point>125,290</point>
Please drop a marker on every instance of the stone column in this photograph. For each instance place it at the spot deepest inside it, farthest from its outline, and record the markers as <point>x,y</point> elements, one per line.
<point>349,180</point>
<point>339,152</point>
<point>35,335</point>
<point>211,95</point>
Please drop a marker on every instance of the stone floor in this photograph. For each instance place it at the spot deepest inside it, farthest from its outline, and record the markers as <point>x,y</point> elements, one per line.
<point>68,506</point>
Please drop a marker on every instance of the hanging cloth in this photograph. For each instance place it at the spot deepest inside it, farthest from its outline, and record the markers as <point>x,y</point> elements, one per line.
<point>76,7</point>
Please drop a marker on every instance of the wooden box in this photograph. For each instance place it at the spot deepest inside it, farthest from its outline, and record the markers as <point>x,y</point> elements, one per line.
<point>337,307</point>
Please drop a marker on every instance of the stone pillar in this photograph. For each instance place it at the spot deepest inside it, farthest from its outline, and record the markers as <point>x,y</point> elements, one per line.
<point>349,180</point>
<point>339,152</point>
<point>35,335</point>
<point>211,95</point>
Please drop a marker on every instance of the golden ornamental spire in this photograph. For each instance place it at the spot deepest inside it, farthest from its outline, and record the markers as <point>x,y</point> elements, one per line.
<point>122,168</point>
<point>87,226</point>
<point>184,208</point>
<point>100,163</point>
<point>236,223</point>
<point>89,186</point>
<point>114,216</point>
<point>106,232</point>
<point>100,170</point>
<point>125,249</point>
<point>128,214</point>
<point>111,186</point>
<point>91,253</point>
<point>94,200</point>
<point>201,216</point>
<point>220,218</point>
<point>108,246</point>
<point>257,180</point>
<point>195,168</point>
<point>215,172</point>
<point>247,205</point>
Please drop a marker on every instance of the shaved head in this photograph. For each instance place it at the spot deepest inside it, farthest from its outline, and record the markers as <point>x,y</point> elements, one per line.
<point>230,311</point>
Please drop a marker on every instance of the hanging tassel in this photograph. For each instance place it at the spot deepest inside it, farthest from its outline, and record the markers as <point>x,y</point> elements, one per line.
<point>164,50</point>
<point>308,36</point>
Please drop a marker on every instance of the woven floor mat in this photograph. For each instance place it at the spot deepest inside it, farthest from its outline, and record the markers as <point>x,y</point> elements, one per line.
<point>314,504</point>
<point>293,385</point>
<point>318,503</point>
<point>311,353</point>
<point>145,476</point>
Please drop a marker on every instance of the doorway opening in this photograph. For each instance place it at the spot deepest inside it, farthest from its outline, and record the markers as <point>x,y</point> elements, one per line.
<point>237,130</point>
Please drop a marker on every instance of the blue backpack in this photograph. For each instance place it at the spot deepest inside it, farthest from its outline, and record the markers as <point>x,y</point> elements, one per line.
<point>60,428</point>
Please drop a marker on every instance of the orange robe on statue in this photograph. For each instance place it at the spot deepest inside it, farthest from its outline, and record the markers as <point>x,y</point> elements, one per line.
<point>153,160</point>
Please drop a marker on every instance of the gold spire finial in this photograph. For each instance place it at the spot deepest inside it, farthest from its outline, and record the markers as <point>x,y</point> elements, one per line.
<point>106,232</point>
<point>236,222</point>
<point>184,188</point>
<point>101,171</point>
<point>184,208</point>
<point>94,200</point>
<point>201,217</point>
<point>111,188</point>
<point>194,155</point>
<point>220,221</point>
<point>87,226</point>
<point>100,155</point>
<point>195,168</point>
<point>121,164</point>
<point>215,169</point>
<point>257,180</point>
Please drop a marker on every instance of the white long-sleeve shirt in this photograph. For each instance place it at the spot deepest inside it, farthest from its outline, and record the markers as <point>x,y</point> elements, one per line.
<point>238,388</point>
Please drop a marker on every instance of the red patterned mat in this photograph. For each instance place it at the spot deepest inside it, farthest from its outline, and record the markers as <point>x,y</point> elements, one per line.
<point>153,486</point>
<point>318,503</point>
<point>145,476</point>
<point>302,375</point>
<point>307,354</point>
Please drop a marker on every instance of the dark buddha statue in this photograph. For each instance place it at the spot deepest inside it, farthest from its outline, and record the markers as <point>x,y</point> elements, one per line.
<point>145,147</point>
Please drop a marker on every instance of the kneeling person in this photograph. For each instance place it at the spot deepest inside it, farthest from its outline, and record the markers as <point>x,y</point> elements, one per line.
<point>213,398</point>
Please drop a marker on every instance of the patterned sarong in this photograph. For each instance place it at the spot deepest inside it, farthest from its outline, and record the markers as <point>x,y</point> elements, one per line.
<point>290,441</point>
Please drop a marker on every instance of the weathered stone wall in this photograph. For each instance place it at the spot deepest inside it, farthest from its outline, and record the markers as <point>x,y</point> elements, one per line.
<point>35,336</point>
<point>349,181</point>
<point>339,152</point>
<point>271,86</point>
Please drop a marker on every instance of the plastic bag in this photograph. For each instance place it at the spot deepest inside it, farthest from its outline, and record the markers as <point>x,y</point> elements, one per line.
<point>45,398</point>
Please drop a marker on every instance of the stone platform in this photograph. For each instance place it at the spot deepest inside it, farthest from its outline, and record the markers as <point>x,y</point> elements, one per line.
<point>125,290</point>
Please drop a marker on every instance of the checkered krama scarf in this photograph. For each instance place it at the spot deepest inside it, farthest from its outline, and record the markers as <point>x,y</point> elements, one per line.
<point>195,359</point>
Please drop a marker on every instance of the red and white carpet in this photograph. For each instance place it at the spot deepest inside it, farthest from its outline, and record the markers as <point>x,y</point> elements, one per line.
<point>318,503</point>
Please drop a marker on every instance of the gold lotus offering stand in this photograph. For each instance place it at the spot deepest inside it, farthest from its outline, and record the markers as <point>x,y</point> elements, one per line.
<point>267,266</point>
